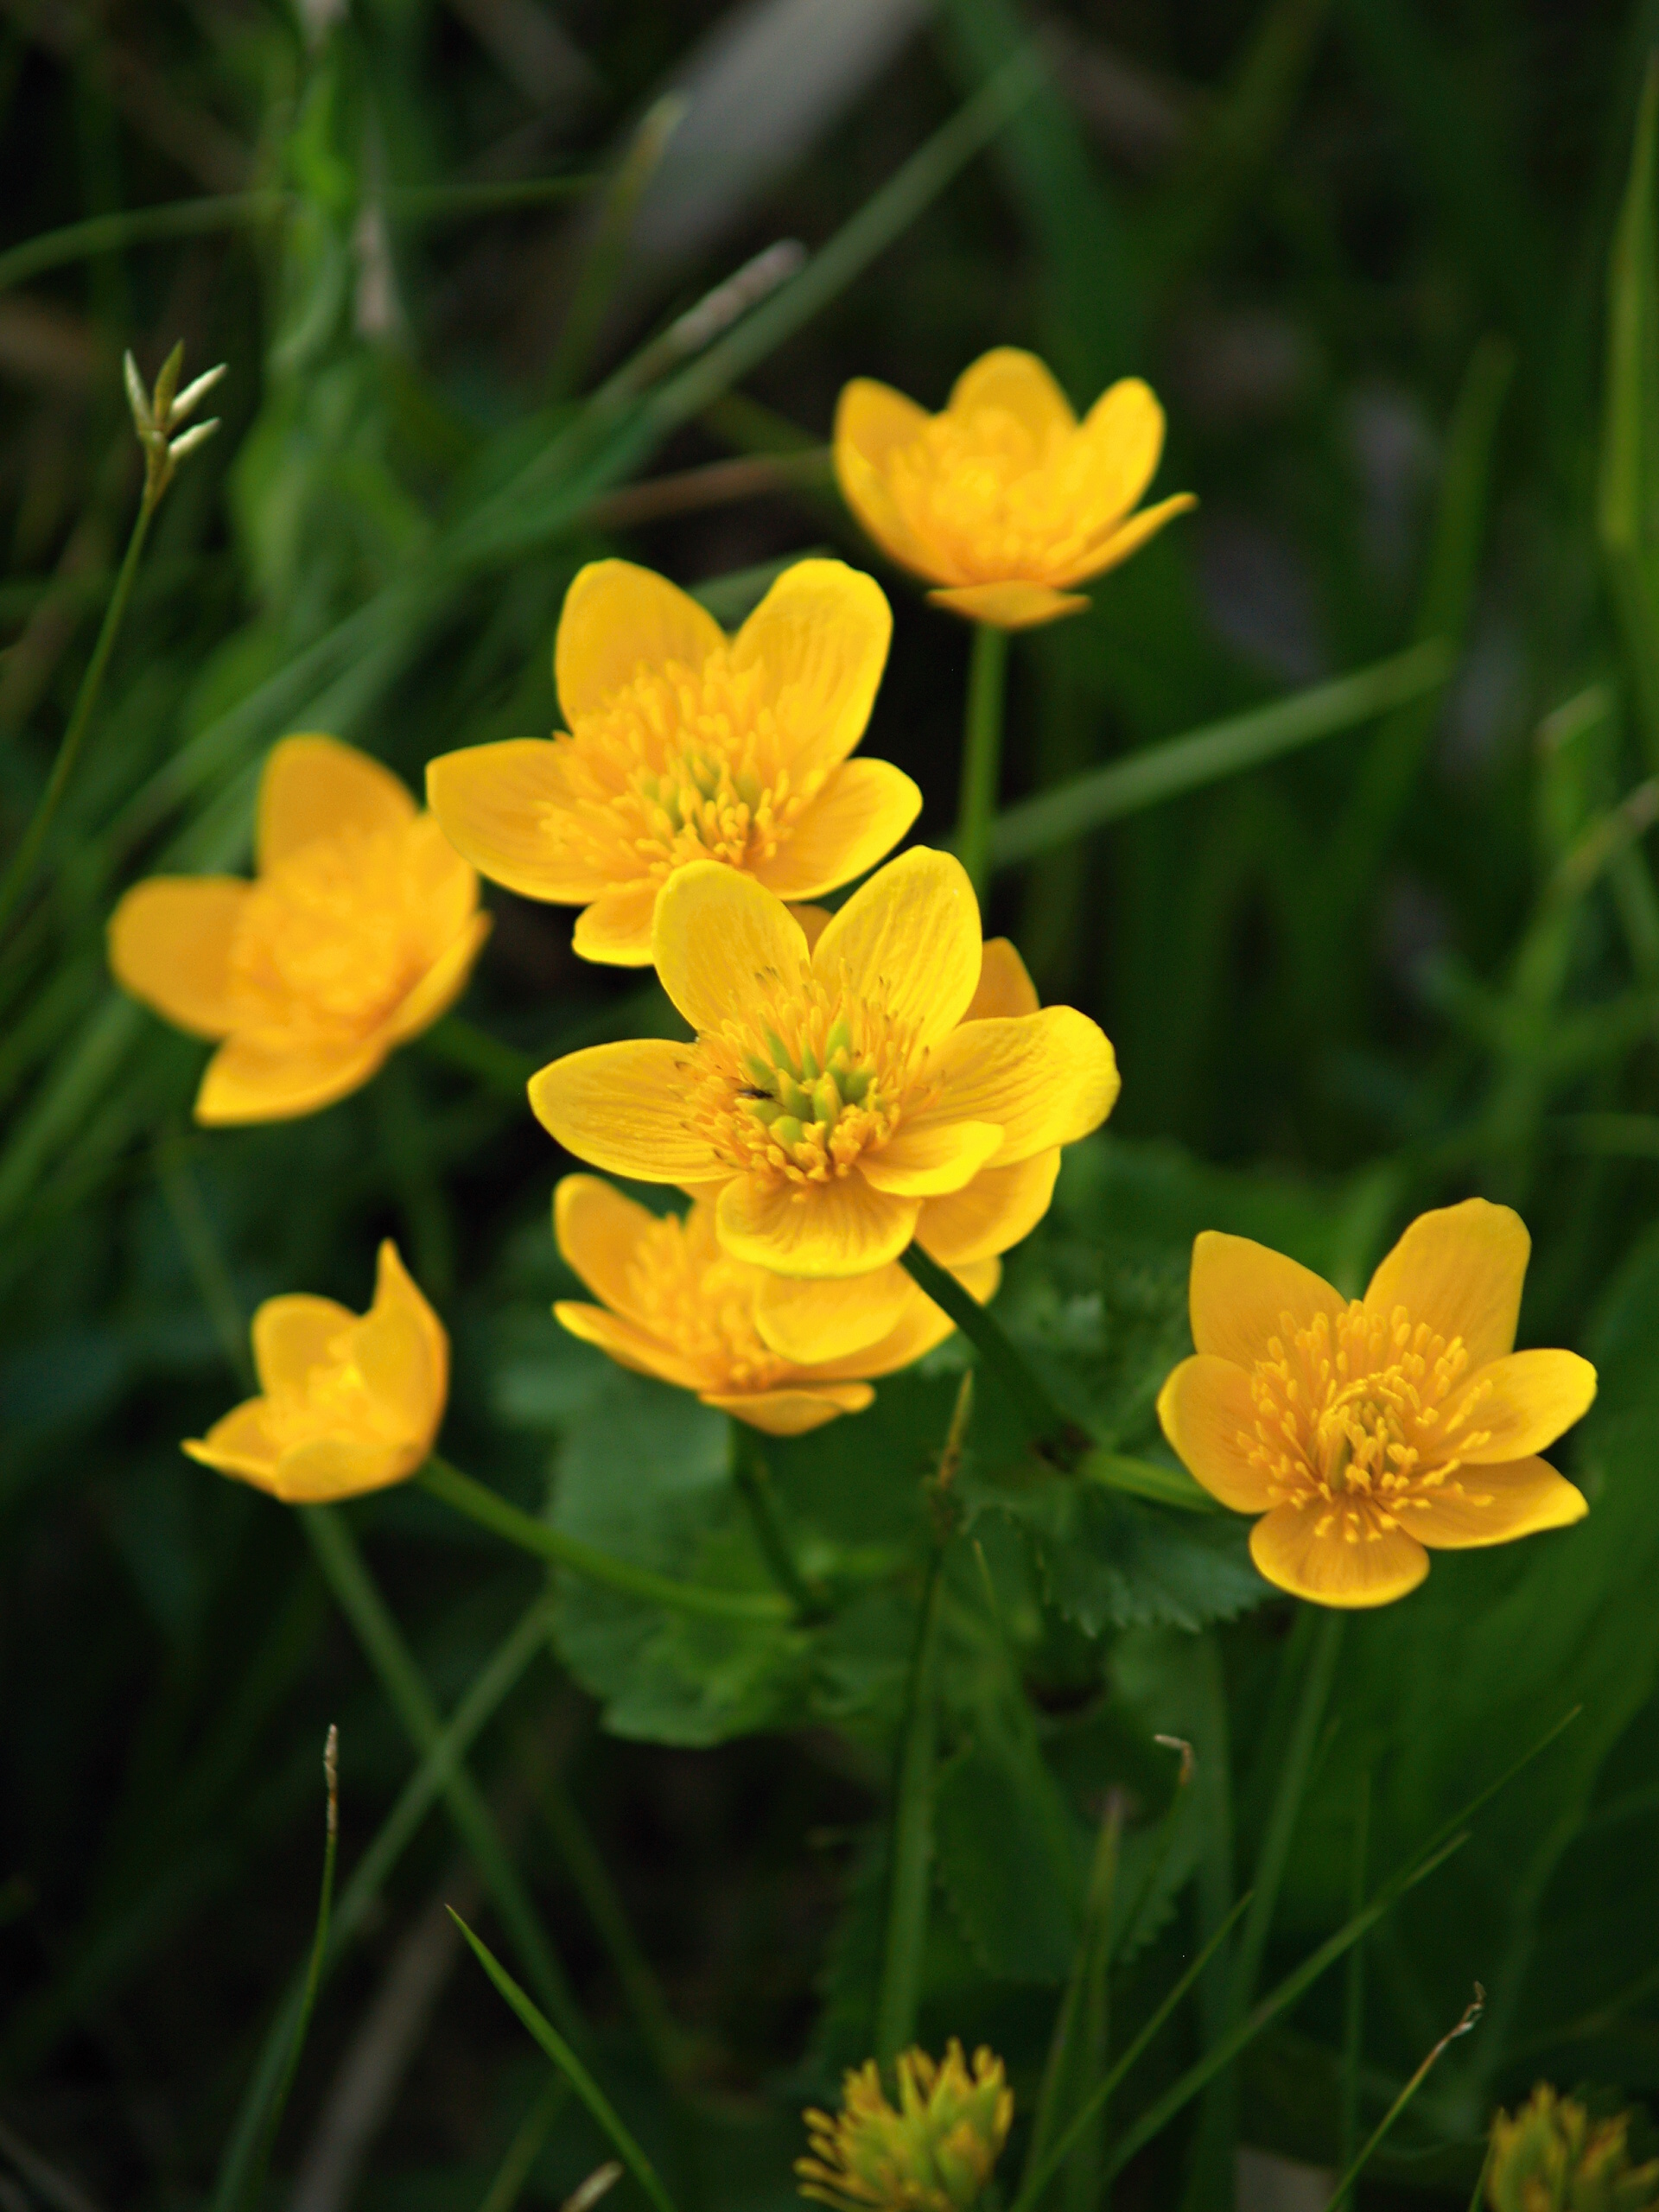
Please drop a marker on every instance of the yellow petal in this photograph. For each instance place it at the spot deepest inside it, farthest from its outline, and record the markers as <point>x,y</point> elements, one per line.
<point>1014,605</point>
<point>502,806</point>
<point>294,1335</point>
<point>615,930</point>
<point>330,1467</point>
<point>928,1158</point>
<point>598,1232</point>
<point>243,1444</point>
<point>1005,991</point>
<point>628,1344</point>
<point>721,940</point>
<point>1460,1269</point>
<point>1519,1404</point>
<point>401,1349</point>
<point>622,1107</point>
<point>441,985</point>
<point>1206,1411</point>
<point>1490,1505</point>
<point>1240,1292</point>
<point>617,620</point>
<point>246,1080</point>
<point>819,638</point>
<point>841,1228</point>
<point>1018,385</point>
<point>1115,547</point>
<point>999,1207</point>
<point>314,786</point>
<point>1044,1078</point>
<point>793,1412</point>
<point>921,1326</point>
<point>908,940</point>
<point>811,1322</point>
<point>443,886</point>
<point>169,944</point>
<point>857,818</point>
<point>869,492</point>
<point>1123,433</point>
<point>1374,1570</point>
<point>874,420</point>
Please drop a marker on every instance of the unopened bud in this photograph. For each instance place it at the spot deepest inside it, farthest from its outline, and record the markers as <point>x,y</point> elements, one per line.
<point>1551,2156</point>
<point>935,2153</point>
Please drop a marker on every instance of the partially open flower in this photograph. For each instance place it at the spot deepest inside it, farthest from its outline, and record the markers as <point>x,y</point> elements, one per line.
<point>359,929</point>
<point>686,745</point>
<point>1362,1430</point>
<point>836,1092</point>
<point>1551,2156</point>
<point>935,2153</point>
<point>347,1403</point>
<point>676,1307</point>
<point>1005,501</point>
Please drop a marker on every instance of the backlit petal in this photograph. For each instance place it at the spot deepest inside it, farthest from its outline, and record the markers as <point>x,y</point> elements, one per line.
<point>501,806</point>
<point>1489,1505</point>
<point>1459,1269</point>
<point>1240,1292</point>
<point>1521,1403</point>
<point>1374,1570</point>
<point>1005,990</point>
<point>1044,1078</point>
<point>615,930</point>
<point>598,1232</point>
<point>1123,433</point>
<point>869,495</point>
<point>243,1444</point>
<point>1014,605</point>
<point>629,1344</point>
<point>170,945</point>
<point>908,940</point>
<point>1020,384</point>
<point>401,1352</point>
<point>442,984</point>
<point>793,1412</point>
<point>844,1227</point>
<point>928,1158</point>
<point>999,1207</point>
<point>247,1081</point>
<point>1111,550</point>
<point>820,639</point>
<point>295,1334</point>
<point>722,941</point>
<point>857,818</point>
<point>619,619</point>
<point>314,786</point>
<point>813,1321</point>
<point>330,1467</point>
<point>1206,1411</point>
<point>622,1107</point>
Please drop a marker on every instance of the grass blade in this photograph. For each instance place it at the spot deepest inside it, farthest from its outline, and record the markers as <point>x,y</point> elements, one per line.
<point>1629,451</point>
<point>910,1871</point>
<point>1471,2014</point>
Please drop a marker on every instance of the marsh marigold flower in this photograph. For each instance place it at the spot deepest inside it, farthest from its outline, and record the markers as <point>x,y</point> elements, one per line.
<point>935,2153</point>
<point>360,928</point>
<point>1362,1430</point>
<point>1005,501</point>
<point>1551,2156</point>
<point>347,1402</point>
<point>836,1093</point>
<point>686,745</point>
<point>676,1307</point>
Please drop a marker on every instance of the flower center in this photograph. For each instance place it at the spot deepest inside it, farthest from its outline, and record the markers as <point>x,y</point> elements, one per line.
<point>1371,1415</point>
<point>334,1400</point>
<point>325,935</point>
<point>689,1294</point>
<point>681,764</point>
<point>1004,504</point>
<point>797,1090</point>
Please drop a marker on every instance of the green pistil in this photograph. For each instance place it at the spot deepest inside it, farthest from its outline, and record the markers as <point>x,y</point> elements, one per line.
<point>790,1099</point>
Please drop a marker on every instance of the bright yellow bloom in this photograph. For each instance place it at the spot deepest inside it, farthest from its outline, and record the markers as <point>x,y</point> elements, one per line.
<point>1005,500</point>
<point>836,1090</point>
<point>347,1403</point>
<point>936,2153</point>
<point>1363,1430</point>
<point>685,745</point>
<point>675,1306</point>
<point>1552,2157</point>
<point>359,929</point>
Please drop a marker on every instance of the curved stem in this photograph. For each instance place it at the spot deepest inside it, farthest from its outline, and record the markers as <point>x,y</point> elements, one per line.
<point>1048,1427</point>
<point>982,753</point>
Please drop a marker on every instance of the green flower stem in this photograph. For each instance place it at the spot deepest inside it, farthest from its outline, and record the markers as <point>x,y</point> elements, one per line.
<point>1047,1425</point>
<point>982,753</point>
<point>910,1869</point>
<point>753,1484</point>
<point>493,1511</point>
<point>21,865</point>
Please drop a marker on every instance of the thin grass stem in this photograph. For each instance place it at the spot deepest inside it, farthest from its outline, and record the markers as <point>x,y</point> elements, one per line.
<point>1356,2165</point>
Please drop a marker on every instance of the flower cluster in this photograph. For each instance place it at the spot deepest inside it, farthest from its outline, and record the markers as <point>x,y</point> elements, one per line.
<point>935,2152</point>
<point>1551,2156</point>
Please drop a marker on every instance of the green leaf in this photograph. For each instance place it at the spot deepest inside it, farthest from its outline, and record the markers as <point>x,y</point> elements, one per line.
<point>997,1815</point>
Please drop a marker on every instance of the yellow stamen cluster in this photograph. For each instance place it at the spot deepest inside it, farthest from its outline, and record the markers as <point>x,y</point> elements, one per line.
<point>800,1088</point>
<point>1551,2156</point>
<point>1366,1416</point>
<point>689,1294</point>
<point>935,2153</point>
<point>329,932</point>
<point>1002,502</point>
<point>681,764</point>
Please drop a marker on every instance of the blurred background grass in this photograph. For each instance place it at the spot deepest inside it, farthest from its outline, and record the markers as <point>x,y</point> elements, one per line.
<point>1360,246</point>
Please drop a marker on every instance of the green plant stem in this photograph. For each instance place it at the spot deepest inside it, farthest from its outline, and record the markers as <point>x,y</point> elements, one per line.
<point>1353,2034</point>
<point>1352,2170</point>
<point>753,1482</point>
<point>494,1512</point>
<point>21,865</point>
<point>526,2148</point>
<point>910,1866</point>
<point>982,752</point>
<point>1045,1423</point>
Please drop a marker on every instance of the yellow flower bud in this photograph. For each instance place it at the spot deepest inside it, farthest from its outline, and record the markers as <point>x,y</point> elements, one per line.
<point>934,2154</point>
<point>1551,2156</point>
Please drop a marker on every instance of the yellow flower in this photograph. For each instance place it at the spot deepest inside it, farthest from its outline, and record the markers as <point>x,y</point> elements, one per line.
<point>1363,1430</point>
<point>347,1404</point>
<point>685,745</point>
<point>835,1091</point>
<point>359,931</point>
<point>1005,500</point>
<point>936,2153</point>
<point>1551,2156</point>
<point>675,1306</point>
